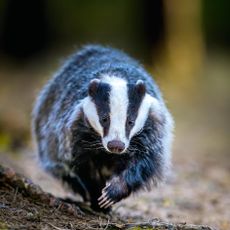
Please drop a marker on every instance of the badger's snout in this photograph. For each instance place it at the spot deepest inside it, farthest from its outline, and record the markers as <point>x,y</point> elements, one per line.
<point>116,146</point>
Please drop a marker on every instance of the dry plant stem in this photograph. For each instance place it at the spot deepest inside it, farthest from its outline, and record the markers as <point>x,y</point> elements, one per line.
<point>9,177</point>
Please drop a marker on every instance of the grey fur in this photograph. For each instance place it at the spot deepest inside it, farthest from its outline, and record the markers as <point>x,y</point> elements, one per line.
<point>56,133</point>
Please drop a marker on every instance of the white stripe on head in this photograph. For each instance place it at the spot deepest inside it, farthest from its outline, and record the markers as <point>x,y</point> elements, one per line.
<point>143,112</point>
<point>89,109</point>
<point>118,109</point>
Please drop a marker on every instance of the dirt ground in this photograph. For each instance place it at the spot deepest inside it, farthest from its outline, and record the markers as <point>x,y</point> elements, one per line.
<point>18,212</point>
<point>198,190</point>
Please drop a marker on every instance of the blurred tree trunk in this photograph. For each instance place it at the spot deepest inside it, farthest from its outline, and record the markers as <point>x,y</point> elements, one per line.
<point>184,43</point>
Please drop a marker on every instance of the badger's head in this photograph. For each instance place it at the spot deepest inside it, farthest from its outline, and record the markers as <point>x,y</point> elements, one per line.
<point>117,110</point>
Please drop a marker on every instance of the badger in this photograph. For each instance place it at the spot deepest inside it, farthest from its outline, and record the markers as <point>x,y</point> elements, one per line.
<point>102,127</point>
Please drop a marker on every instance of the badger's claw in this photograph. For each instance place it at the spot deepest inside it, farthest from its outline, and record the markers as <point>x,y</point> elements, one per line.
<point>105,203</point>
<point>113,192</point>
<point>109,204</point>
<point>104,200</point>
<point>101,197</point>
<point>107,185</point>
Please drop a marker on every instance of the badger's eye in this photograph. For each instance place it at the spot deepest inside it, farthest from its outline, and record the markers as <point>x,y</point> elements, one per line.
<point>105,119</point>
<point>130,122</point>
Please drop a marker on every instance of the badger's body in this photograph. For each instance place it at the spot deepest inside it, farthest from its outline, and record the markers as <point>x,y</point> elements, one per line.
<point>102,127</point>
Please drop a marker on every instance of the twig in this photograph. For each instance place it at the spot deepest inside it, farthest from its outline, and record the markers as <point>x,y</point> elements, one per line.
<point>57,227</point>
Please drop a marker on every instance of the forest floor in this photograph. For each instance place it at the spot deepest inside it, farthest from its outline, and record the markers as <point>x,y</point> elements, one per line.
<point>24,205</point>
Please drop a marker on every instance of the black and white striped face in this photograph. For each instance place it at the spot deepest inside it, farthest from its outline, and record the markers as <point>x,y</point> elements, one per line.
<point>117,110</point>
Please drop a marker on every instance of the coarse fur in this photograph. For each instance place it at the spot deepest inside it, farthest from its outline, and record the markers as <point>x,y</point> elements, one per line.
<point>101,95</point>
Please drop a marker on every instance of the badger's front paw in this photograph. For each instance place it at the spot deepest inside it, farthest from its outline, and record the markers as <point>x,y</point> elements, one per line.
<point>115,190</point>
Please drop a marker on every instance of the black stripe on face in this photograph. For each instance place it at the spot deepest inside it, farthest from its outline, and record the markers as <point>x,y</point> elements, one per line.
<point>135,98</point>
<point>100,96</point>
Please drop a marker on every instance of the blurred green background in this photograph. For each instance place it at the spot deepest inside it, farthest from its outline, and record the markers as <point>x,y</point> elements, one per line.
<point>184,44</point>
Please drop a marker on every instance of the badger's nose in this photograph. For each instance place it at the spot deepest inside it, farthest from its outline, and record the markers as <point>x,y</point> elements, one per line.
<point>116,146</point>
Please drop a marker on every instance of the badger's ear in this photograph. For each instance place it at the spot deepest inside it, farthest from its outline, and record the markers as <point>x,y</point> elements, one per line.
<point>140,87</point>
<point>93,86</point>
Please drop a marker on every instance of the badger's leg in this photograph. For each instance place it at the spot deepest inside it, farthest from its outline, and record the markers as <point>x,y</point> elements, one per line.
<point>135,175</point>
<point>77,186</point>
<point>94,182</point>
